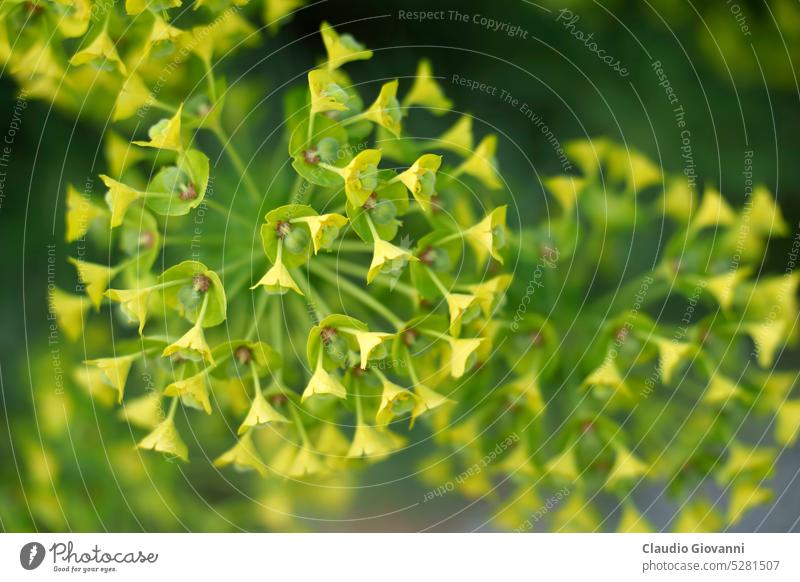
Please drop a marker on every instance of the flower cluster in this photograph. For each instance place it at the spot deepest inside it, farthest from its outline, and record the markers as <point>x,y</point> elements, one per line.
<point>387,257</point>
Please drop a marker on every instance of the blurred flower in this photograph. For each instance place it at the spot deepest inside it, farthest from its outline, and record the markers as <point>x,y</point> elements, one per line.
<point>243,456</point>
<point>342,48</point>
<point>115,371</point>
<point>192,390</point>
<point>482,164</point>
<point>166,439</point>
<point>322,382</point>
<point>166,134</point>
<point>426,91</point>
<point>385,111</point>
<point>420,179</point>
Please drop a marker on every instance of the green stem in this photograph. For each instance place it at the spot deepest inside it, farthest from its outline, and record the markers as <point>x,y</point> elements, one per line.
<point>357,271</point>
<point>236,160</point>
<point>226,212</point>
<point>260,306</point>
<point>173,407</point>
<point>357,293</point>
<point>437,282</point>
<point>301,429</point>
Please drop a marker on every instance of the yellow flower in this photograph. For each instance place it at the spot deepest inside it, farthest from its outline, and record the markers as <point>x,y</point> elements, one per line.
<point>488,236</point>
<point>361,176</point>
<point>119,197</point>
<point>193,340</point>
<point>100,51</point>
<point>765,216</point>
<point>564,465</point>
<point>278,280</point>
<point>134,7</point>
<point>306,462</point>
<point>420,179</point>
<point>635,169</point>
<point>342,48</point>
<point>626,467</point>
<point>426,91</point>
<point>144,411</point>
<point>372,442</point>
<point>80,214</point>
<point>743,497</point>
<point>163,32</point>
<point>461,354</point>
<point>746,462</point>
<point>166,439</point>
<point>566,190</point>
<point>192,390</point>
<point>632,521</point>
<point>133,303</point>
<point>721,390</point>
<point>324,229</point>
<point>243,456</point>
<point>427,399</point>
<point>131,97</point>
<point>768,337</point>
<point>678,200</point>
<point>166,134</point>
<point>74,17</point>
<point>95,277</point>
<point>119,153</point>
<point>488,291</point>
<point>588,154</point>
<point>278,12</point>
<point>458,138</point>
<point>322,382</point>
<point>787,426</point>
<point>713,211</point>
<point>387,256</point>
<point>70,312</point>
<point>367,342</point>
<point>326,94</point>
<point>723,287</point>
<point>385,111</point>
<point>395,401</point>
<point>607,375</point>
<point>261,412</point>
<point>459,304</point>
<point>482,164</point>
<point>698,517</point>
<point>115,371</point>
<point>670,354</point>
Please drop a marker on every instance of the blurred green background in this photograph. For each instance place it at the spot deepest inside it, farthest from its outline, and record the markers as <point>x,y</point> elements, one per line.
<point>739,92</point>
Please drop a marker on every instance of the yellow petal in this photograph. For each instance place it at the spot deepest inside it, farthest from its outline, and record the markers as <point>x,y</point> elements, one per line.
<point>115,371</point>
<point>367,342</point>
<point>488,291</point>
<point>427,164</point>
<point>166,439</point>
<point>385,110</point>
<point>721,390</point>
<point>69,311</point>
<point>713,211</point>
<point>318,224</point>
<point>193,389</point>
<point>426,91</point>
<point>671,354</point>
<point>80,214</point>
<point>457,305</point>
<point>698,517</point>
<point>372,443</point>
<point>723,287</point>
<point>365,163</point>
<point>101,51</point>
<point>132,96</point>
<point>278,280</point>
<point>306,462</point>
<point>564,465</point>
<point>193,340</point>
<point>482,163</point>
<point>243,456</point>
<point>627,466</point>
<point>458,138</point>
<point>119,197</point>
<point>384,252</point>
<point>323,383</point>
<point>427,399</point>
<point>483,236</point>
<point>95,277</point>
<point>743,497</point>
<point>588,154</point>
<point>566,190</point>
<point>765,216</point>
<point>632,521</point>
<point>261,412</point>
<point>134,303</point>
<point>326,94</point>
<point>607,375</point>
<point>144,411</point>
<point>342,49</point>
<point>395,401</point>
<point>460,352</point>
<point>166,134</point>
<point>747,462</point>
<point>787,426</point>
<point>768,337</point>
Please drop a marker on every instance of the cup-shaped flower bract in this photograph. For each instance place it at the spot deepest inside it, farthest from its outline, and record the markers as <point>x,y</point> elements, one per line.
<point>133,302</point>
<point>115,371</point>
<point>192,390</point>
<point>368,342</point>
<point>261,412</point>
<point>373,443</point>
<point>488,236</point>
<point>80,214</point>
<point>426,91</point>
<point>95,277</point>
<point>70,312</point>
<point>277,280</point>
<point>462,355</point>
<point>101,52</point>
<point>119,197</point>
<point>324,229</point>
